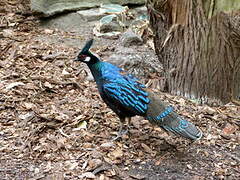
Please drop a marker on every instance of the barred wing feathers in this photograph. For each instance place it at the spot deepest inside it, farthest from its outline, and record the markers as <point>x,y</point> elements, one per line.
<point>129,95</point>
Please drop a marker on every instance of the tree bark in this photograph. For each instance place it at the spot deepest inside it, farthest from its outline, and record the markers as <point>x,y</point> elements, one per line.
<point>198,44</point>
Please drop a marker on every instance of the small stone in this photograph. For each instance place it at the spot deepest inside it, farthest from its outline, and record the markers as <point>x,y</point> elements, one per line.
<point>110,27</point>
<point>129,38</point>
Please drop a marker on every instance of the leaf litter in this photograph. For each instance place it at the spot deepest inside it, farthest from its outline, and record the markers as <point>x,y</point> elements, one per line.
<point>54,125</point>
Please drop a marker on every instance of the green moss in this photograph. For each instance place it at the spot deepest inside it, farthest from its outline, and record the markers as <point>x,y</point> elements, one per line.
<point>213,7</point>
<point>226,6</point>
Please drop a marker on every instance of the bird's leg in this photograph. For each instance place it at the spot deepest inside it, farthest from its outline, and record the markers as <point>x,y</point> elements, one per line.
<point>128,122</point>
<point>122,131</point>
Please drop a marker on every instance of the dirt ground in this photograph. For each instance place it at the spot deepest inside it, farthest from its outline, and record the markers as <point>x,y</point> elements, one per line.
<point>53,124</point>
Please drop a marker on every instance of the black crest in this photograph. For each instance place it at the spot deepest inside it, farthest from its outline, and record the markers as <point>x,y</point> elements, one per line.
<point>87,46</point>
<point>85,54</point>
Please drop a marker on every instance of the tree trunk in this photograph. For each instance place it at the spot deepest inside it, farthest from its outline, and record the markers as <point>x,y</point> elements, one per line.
<point>198,44</point>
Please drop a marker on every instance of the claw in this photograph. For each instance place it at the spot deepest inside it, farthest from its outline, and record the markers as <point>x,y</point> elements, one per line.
<point>120,134</point>
<point>121,131</point>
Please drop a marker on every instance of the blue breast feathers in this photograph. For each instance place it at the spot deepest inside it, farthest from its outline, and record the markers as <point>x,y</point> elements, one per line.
<point>123,89</point>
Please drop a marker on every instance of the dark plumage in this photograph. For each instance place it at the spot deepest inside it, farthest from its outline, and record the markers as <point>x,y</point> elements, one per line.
<point>127,97</point>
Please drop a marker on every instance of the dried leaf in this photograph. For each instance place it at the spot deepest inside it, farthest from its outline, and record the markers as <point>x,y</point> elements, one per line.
<point>94,163</point>
<point>146,148</point>
<point>117,153</point>
<point>27,116</point>
<point>107,146</point>
<point>229,129</point>
<point>71,164</point>
<point>29,105</point>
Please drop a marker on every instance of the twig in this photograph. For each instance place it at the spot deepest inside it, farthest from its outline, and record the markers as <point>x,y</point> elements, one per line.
<point>6,48</point>
<point>62,133</point>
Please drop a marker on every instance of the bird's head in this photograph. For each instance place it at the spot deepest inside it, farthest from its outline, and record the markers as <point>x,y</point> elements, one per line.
<point>86,55</point>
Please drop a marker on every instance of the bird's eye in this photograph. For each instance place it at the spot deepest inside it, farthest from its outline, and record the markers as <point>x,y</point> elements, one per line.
<point>87,59</point>
<point>82,56</point>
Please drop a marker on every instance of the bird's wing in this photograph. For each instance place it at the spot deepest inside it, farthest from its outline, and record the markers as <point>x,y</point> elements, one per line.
<point>128,95</point>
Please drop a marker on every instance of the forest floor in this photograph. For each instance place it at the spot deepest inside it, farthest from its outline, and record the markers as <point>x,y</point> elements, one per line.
<point>53,124</point>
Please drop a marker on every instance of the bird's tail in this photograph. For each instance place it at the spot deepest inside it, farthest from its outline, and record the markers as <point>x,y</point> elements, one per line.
<point>164,116</point>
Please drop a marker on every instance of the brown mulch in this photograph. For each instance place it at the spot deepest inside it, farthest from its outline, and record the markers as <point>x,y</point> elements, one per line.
<point>53,124</point>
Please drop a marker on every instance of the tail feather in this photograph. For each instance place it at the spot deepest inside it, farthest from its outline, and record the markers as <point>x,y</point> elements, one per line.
<point>175,124</point>
<point>158,113</point>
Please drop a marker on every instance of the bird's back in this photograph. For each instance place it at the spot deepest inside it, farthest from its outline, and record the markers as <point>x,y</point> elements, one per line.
<point>120,91</point>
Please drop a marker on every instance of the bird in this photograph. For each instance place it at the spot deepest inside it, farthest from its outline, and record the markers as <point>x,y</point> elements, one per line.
<point>127,97</point>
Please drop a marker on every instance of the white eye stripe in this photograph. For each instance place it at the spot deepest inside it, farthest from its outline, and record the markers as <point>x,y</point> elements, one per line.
<point>87,59</point>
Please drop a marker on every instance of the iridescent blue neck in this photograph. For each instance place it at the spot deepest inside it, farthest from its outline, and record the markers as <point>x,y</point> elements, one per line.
<point>104,70</point>
<point>96,69</point>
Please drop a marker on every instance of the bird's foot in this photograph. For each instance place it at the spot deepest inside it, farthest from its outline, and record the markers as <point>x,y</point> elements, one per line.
<point>120,134</point>
<point>122,131</point>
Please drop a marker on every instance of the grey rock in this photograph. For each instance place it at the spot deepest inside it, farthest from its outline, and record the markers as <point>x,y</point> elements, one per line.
<point>67,22</point>
<point>110,27</point>
<point>140,63</point>
<point>139,11</point>
<point>52,7</point>
<point>129,38</point>
<point>91,14</point>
